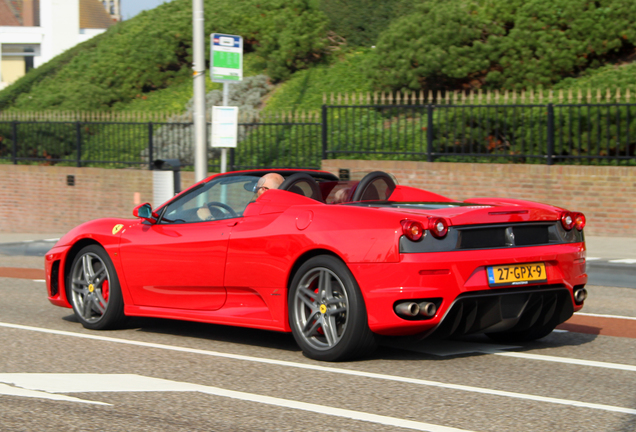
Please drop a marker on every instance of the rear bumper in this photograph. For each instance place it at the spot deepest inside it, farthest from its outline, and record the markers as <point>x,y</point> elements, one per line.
<point>450,276</point>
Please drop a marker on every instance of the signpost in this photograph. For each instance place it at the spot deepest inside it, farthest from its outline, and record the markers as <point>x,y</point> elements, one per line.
<point>226,66</point>
<point>224,126</point>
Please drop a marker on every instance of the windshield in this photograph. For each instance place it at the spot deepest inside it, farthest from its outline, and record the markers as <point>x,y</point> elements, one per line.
<point>221,198</point>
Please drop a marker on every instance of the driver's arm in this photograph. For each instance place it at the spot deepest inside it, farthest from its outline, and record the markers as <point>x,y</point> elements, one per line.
<point>204,213</point>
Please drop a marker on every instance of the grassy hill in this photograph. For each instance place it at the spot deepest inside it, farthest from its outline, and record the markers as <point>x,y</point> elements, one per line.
<point>312,47</point>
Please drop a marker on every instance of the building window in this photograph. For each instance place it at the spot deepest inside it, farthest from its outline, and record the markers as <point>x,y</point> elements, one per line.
<point>17,60</point>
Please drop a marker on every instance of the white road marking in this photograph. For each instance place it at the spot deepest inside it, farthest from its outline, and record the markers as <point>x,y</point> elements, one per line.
<point>623,261</point>
<point>593,258</point>
<point>356,372</point>
<point>88,383</point>
<point>17,391</point>
<point>38,280</point>
<point>566,360</point>
<point>605,316</point>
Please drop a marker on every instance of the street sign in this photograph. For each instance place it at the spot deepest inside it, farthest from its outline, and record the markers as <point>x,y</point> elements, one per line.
<point>226,58</point>
<point>224,126</point>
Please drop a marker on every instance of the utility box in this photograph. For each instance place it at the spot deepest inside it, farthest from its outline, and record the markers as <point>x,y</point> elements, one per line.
<point>166,179</point>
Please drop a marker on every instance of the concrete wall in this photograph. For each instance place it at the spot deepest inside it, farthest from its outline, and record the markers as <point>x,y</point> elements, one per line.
<point>36,199</point>
<point>606,195</point>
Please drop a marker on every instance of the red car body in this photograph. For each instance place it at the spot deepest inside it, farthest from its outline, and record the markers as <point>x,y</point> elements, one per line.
<point>238,270</point>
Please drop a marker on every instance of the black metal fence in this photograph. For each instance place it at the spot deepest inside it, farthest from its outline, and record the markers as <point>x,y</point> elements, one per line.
<point>537,133</point>
<point>564,133</point>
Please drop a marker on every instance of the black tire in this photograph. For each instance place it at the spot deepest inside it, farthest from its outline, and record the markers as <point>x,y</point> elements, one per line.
<point>330,323</point>
<point>93,290</point>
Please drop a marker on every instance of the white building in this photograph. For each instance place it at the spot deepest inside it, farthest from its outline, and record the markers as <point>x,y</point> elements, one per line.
<point>32,32</point>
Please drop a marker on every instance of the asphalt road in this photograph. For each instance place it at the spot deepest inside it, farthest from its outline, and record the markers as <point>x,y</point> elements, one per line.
<point>170,375</point>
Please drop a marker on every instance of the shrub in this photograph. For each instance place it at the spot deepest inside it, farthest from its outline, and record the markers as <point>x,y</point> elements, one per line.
<point>360,22</point>
<point>176,139</point>
<point>154,50</point>
<point>501,43</point>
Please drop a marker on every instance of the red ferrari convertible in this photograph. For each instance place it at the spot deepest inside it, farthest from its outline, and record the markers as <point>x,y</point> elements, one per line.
<point>336,263</point>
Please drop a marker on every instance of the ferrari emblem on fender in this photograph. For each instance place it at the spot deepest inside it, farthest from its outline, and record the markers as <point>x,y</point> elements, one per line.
<point>323,309</point>
<point>117,228</point>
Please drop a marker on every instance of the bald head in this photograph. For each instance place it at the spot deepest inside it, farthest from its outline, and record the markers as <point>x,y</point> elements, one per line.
<point>268,181</point>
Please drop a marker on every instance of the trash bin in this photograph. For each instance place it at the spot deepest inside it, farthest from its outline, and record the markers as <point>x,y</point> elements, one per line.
<point>166,179</point>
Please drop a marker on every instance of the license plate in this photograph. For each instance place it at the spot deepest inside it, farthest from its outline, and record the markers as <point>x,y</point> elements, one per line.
<point>516,274</point>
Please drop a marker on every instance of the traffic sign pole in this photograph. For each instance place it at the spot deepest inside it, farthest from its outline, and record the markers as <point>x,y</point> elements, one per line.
<point>198,36</point>
<point>226,66</point>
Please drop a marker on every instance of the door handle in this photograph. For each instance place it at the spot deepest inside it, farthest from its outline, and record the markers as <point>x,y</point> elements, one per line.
<point>231,224</point>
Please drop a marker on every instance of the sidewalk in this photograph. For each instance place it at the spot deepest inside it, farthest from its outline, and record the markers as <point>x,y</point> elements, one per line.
<point>18,238</point>
<point>610,248</point>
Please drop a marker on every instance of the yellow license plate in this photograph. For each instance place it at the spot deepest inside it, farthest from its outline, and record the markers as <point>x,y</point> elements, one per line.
<point>516,274</point>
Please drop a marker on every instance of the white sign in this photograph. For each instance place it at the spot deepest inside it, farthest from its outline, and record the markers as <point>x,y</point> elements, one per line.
<point>224,126</point>
<point>226,58</point>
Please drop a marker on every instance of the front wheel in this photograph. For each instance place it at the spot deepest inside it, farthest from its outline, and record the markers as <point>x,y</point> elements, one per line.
<point>327,314</point>
<point>94,291</point>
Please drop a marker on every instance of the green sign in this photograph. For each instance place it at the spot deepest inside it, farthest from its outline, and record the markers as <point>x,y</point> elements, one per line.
<point>226,57</point>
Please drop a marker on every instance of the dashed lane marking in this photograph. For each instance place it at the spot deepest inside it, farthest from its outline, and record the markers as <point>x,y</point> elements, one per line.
<point>43,385</point>
<point>349,372</point>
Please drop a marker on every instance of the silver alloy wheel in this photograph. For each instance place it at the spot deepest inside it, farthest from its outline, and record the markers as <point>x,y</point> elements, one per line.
<point>321,306</point>
<point>90,287</point>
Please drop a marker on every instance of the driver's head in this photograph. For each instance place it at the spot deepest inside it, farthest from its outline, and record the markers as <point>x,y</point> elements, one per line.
<point>267,182</point>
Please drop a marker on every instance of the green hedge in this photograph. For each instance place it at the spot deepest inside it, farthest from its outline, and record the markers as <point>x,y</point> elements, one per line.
<point>508,44</point>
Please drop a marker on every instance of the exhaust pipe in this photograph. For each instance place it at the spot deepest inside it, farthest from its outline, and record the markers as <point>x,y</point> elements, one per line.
<point>428,309</point>
<point>580,295</point>
<point>407,309</point>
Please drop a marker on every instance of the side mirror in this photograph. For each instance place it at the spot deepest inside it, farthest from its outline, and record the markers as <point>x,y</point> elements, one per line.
<point>144,211</point>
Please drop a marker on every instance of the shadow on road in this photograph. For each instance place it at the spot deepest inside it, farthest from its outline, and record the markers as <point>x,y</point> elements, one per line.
<point>390,348</point>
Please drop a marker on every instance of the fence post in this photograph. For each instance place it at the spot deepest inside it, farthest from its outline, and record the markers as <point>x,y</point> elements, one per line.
<point>78,137</point>
<point>15,142</point>
<point>550,138</point>
<point>150,144</point>
<point>429,133</point>
<point>324,132</point>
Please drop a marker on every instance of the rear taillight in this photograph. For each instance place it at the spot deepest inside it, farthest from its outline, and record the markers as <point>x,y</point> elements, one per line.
<point>579,221</point>
<point>567,220</point>
<point>438,227</point>
<point>413,230</point>
<point>571,220</point>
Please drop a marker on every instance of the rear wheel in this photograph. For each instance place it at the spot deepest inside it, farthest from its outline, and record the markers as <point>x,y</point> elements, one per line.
<point>327,312</point>
<point>94,291</point>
